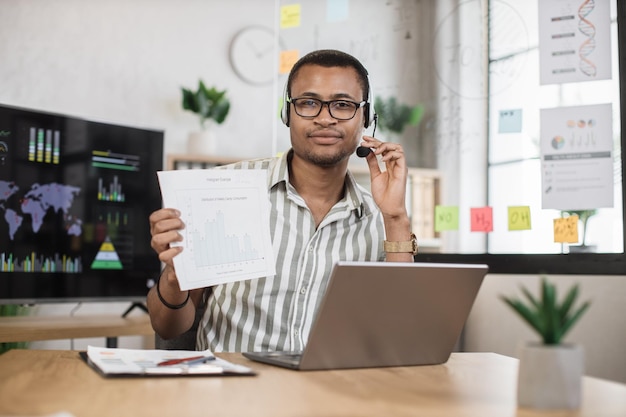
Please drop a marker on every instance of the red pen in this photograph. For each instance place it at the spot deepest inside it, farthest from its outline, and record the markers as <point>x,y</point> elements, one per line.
<point>186,361</point>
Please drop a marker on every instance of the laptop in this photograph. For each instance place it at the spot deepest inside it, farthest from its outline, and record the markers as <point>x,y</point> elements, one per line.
<point>378,314</point>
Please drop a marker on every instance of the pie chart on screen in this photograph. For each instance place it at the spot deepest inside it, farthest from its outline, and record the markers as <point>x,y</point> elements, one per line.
<point>558,142</point>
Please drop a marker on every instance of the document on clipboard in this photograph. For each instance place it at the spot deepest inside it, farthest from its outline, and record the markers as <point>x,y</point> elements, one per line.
<point>227,228</point>
<point>116,362</point>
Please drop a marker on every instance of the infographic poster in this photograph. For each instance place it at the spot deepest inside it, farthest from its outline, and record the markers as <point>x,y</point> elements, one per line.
<point>574,41</point>
<point>577,157</point>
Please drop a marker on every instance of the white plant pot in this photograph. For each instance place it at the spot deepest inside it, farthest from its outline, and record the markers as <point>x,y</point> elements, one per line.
<point>550,376</point>
<point>202,142</point>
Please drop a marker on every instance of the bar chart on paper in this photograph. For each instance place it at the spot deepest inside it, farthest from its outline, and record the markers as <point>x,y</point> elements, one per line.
<point>226,234</point>
<point>223,229</point>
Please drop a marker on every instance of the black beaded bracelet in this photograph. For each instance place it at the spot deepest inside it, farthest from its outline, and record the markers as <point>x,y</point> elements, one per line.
<point>165,303</point>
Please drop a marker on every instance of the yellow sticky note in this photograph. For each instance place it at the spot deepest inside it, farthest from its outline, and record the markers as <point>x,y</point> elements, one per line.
<point>446,218</point>
<point>519,218</point>
<point>287,60</point>
<point>566,229</point>
<point>290,16</point>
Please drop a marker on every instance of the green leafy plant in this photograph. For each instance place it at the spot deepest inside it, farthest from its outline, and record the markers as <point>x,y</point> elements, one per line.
<point>394,116</point>
<point>549,318</point>
<point>207,103</point>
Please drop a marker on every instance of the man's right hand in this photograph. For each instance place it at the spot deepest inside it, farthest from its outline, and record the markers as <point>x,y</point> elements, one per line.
<point>165,224</point>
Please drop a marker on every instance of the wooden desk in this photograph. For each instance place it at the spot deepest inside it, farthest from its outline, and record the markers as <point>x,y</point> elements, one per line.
<point>30,328</point>
<point>40,382</point>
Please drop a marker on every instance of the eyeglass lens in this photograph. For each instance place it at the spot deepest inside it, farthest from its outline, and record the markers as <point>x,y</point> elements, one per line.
<point>339,109</point>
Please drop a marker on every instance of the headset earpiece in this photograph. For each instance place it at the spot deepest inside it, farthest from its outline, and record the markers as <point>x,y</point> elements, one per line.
<point>369,113</point>
<point>284,111</point>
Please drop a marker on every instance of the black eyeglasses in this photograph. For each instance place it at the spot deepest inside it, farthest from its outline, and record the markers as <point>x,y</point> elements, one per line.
<point>312,107</point>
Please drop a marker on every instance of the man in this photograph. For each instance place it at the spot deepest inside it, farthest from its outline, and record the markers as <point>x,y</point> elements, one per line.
<point>319,215</point>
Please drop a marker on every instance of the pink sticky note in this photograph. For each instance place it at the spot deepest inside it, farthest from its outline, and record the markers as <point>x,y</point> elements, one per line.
<point>482,219</point>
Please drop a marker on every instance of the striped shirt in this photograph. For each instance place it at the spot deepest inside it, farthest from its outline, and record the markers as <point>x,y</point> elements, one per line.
<point>276,312</point>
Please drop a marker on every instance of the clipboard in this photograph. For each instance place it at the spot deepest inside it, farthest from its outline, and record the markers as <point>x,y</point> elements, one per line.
<point>118,363</point>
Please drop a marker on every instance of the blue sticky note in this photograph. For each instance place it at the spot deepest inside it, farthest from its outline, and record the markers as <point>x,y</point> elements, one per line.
<point>336,10</point>
<point>510,121</point>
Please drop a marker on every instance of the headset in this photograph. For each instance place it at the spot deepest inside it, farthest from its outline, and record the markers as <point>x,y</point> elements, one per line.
<point>368,109</point>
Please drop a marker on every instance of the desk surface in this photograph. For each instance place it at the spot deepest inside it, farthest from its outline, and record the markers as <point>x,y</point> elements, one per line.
<point>29,328</point>
<point>39,382</point>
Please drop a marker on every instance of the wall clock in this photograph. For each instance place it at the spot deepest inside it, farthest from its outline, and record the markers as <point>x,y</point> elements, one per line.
<point>252,55</point>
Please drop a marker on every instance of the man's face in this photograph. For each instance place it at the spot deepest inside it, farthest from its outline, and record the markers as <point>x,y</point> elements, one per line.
<point>324,140</point>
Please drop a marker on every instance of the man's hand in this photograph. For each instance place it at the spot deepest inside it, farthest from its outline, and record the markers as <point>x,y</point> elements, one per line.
<point>389,186</point>
<point>164,226</point>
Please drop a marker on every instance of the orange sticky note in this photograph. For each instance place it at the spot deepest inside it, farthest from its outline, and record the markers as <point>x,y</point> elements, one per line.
<point>287,60</point>
<point>519,218</point>
<point>566,229</point>
<point>446,218</point>
<point>481,219</point>
<point>290,16</point>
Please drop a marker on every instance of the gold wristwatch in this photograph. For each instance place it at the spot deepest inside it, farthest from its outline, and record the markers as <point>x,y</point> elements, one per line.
<point>410,246</point>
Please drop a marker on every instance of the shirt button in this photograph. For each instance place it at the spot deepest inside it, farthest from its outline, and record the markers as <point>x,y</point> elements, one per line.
<point>303,291</point>
<point>310,248</point>
<point>296,332</point>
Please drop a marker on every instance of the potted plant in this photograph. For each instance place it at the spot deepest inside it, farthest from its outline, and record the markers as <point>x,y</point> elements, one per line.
<point>550,372</point>
<point>211,106</point>
<point>394,116</point>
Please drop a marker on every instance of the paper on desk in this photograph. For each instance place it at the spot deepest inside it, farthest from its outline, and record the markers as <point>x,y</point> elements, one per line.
<point>143,362</point>
<point>227,232</point>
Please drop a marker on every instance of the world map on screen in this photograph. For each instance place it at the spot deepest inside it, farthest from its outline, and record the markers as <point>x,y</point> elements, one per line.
<point>35,203</point>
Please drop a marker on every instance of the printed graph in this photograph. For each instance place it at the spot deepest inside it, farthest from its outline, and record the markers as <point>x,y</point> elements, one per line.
<point>215,247</point>
<point>220,237</point>
<point>226,213</point>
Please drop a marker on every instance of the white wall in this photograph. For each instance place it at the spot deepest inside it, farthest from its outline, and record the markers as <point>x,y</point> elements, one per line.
<point>124,62</point>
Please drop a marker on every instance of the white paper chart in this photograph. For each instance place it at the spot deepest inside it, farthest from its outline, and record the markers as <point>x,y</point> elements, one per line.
<point>226,214</point>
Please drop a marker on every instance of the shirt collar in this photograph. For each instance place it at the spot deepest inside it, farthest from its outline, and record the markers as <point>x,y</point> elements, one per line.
<point>354,193</point>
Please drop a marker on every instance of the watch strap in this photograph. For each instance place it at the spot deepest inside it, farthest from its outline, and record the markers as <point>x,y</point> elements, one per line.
<point>409,246</point>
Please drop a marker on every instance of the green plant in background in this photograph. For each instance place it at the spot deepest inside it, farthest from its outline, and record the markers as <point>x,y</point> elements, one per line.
<point>13,310</point>
<point>394,116</point>
<point>207,103</point>
<point>549,318</point>
<point>583,216</point>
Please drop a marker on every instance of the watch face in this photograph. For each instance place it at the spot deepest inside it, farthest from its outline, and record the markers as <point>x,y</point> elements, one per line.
<point>252,55</point>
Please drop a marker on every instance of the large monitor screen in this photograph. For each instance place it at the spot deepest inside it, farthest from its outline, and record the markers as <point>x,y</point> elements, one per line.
<point>75,197</point>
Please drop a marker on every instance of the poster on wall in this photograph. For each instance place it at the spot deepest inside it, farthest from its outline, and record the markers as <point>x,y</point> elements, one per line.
<point>574,41</point>
<point>577,157</point>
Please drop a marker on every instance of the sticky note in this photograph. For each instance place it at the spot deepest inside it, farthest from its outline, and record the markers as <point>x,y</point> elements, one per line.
<point>481,219</point>
<point>336,10</point>
<point>519,218</point>
<point>290,16</point>
<point>446,218</point>
<point>566,229</point>
<point>287,60</point>
<point>510,121</point>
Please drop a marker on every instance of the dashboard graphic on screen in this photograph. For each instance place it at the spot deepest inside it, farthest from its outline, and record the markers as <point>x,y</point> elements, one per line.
<point>75,196</point>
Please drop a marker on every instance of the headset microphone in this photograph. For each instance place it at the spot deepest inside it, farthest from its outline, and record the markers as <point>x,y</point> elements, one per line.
<point>362,151</point>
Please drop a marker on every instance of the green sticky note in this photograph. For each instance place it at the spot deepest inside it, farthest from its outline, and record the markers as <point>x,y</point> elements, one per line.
<point>519,218</point>
<point>446,218</point>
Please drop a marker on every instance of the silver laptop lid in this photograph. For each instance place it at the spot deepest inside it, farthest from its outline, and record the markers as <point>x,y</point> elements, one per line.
<point>391,314</point>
